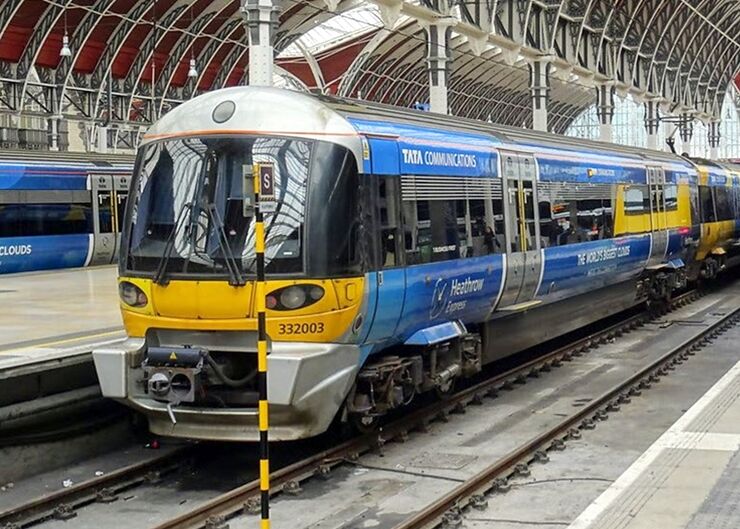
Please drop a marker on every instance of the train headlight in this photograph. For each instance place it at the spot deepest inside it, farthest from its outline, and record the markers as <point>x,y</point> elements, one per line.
<point>294,297</point>
<point>131,294</point>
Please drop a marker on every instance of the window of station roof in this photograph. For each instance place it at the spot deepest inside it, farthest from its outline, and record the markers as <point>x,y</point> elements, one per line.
<point>340,28</point>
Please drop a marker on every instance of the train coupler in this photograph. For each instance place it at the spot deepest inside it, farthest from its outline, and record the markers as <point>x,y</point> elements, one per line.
<point>172,374</point>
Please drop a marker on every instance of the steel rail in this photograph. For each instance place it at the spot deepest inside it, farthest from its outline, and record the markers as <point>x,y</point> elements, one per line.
<point>62,503</point>
<point>475,488</point>
<point>245,499</point>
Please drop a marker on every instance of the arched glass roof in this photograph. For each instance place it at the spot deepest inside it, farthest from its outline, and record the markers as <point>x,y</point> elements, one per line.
<point>336,31</point>
<point>126,62</point>
<point>629,129</point>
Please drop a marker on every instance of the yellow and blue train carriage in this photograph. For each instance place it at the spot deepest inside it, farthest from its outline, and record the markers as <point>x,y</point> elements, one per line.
<point>404,251</point>
<point>717,201</point>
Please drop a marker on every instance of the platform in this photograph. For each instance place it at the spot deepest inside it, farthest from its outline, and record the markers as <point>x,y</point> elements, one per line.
<point>688,478</point>
<point>57,314</point>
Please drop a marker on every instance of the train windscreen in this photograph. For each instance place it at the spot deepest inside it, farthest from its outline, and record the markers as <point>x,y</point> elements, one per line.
<point>187,206</point>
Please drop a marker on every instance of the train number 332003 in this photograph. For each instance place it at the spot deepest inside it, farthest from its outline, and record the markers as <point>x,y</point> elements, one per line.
<point>300,328</point>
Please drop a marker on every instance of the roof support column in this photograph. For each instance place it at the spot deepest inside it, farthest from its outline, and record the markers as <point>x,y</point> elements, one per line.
<point>605,111</point>
<point>686,131</point>
<point>261,18</point>
<point>54,133</point>
<point>102,138</point>
<point>539,85</point>
<point>652,122</point>
<point>438,58</point>
<point>713,136</point>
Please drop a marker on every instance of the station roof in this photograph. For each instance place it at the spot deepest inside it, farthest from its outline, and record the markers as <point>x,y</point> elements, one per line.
<point>683,53</point>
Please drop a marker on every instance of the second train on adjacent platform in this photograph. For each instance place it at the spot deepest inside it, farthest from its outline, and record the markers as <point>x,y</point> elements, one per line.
<point>60,210</point>
<point>404,251</point>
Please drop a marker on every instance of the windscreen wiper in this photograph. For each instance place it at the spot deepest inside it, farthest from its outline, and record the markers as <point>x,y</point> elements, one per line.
<point>235,276</point>
<point>160,276</point>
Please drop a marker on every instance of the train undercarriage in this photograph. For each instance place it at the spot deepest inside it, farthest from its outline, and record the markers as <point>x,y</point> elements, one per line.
<point>392,381</point>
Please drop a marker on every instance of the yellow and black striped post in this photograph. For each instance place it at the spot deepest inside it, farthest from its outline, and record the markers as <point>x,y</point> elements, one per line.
<point>259,238</point>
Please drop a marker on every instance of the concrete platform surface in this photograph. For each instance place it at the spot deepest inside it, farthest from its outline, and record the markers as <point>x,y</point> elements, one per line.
<point>688,478</point>
<point>58,313</point>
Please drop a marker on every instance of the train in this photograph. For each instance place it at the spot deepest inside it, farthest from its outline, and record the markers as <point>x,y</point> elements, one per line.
<point>62,210</point>
<point>404,252</point>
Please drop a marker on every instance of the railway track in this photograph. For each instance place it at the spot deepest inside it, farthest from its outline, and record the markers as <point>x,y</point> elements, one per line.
<point>448,510</point>
<point>214,514</point>
<point>62,504</point>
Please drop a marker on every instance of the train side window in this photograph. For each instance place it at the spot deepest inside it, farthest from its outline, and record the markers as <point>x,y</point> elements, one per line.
<point>570,215</point>
<point>105,211</point>
<point>464,227</point>
<point>636,200</point>
<point>417,232</point>
<point>389,195</point>
<point>548,228</point>
<point>706,203</point>
<point>670,192</point>
<point>28,220</point>
<point>445,238</point>
<point>10,220</point>
<point>694,204</point>
<point>555,214</point>
<point>594,219</point>
<point>431,231</point>
<point>487,230</point>
<point>722,203</point>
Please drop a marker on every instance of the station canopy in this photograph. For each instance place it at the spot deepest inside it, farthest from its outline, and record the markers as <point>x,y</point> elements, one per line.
<point>125,62</point>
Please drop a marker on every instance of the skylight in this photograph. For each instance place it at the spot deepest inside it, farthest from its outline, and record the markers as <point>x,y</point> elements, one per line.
<point>338,29</point>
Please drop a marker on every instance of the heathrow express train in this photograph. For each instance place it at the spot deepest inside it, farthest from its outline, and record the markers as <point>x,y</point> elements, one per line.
<point>404,251</point>
<point>60,212</point>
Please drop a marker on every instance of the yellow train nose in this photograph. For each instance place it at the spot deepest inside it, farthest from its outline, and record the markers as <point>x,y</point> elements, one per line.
<point>216,306</point>
<point>213,300</point>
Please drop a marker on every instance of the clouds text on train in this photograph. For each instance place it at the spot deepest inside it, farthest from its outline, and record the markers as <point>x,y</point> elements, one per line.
<point>15,249</point>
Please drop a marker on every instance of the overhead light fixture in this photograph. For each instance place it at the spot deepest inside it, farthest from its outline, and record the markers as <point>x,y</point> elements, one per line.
<point>193,71</point>
<point>65,51</point>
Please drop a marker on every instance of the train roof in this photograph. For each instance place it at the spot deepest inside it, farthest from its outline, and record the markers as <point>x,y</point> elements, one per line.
<point>277,111</point>
<point>503,133</point>
<point>67,158</point>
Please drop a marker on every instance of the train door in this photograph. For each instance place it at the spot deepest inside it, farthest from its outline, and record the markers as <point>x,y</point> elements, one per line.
<point>104,237</point>
<point>523,256</point>
<point>390,278</point>
<point>120,198</point>
<point>658,219</point>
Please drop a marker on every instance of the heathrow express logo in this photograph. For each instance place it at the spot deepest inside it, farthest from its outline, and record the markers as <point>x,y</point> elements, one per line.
<point>446,293</point>
<point>439,298</point>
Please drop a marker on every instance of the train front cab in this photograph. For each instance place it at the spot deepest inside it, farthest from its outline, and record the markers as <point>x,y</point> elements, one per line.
<point>185,300</point>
